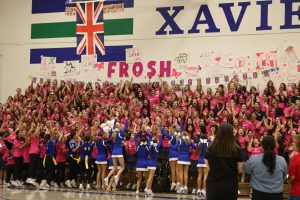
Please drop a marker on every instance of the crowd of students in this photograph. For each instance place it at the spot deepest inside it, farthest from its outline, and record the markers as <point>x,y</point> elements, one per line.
<point>101,130</point>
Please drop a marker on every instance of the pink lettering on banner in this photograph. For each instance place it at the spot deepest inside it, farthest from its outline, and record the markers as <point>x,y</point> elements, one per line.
<point>298,68</point>
<point>151,66</point>
<point>165,67</point>
<point>124,69</point>
<point>110,70</point>
<point>137,69</point>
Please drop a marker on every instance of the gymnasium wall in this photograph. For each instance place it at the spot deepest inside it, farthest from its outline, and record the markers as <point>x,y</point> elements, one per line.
<point>208,42</point>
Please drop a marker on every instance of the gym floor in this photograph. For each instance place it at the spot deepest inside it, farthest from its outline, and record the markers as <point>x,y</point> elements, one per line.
<point>60,194</point>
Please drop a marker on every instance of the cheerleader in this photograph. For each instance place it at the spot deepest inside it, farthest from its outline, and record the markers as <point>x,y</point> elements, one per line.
<point>142,159</point>
<point>183,145</point>
<point>73,159</point>
<point>173,156</point>
<point>49,161</point>
<point>112,186</point>
<point>153,147</point>
<point>101,160</point>
<point>85,161</point>
<point>202,168</point>
<point>117,151</point>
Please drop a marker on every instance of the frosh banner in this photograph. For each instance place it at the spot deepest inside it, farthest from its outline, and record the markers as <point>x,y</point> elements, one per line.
<point>188,42</point>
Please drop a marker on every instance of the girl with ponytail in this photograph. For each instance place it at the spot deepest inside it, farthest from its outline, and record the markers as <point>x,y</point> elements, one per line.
<point>268,172</point>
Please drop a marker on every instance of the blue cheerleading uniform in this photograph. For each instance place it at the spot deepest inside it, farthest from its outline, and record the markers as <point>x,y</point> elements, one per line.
<point>51,148</point>
<point>204,145</point>
<point>86,150</point>
<point>101,157</point>
<point>142,154</point>
<point>72,145</point>
<point>117,150</point>
<point>153,154</point>
<point>184,152</point>
<point>173,153</point>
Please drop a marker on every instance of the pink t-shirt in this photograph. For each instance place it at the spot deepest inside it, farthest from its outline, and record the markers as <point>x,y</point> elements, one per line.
<point>9,158</point>
<point>17,152</point>
<point>61,152</point>
<point>193,154</point>
<point>94,152</point>
<point>26,159</point>
<point>34,146</point>
<point>42,150</point>
<point>242,141</point>
<point>255,151</point>
<point>130,147</point>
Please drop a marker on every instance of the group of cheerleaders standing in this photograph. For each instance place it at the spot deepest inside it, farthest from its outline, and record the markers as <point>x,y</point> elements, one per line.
<point>109,143</point>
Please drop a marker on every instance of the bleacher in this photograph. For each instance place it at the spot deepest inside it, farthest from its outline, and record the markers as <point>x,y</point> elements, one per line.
<point>245,190</point>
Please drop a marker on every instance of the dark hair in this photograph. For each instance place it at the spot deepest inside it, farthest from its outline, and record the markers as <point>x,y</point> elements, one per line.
<point>269,159</point>
<point>224,144</point>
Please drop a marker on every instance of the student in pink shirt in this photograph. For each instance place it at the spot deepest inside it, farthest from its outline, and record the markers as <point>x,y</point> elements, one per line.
<point>17,153</point>
<point>9,166</point>
<point>61,157</point>
<point>254,147</point>
<point>34,152</point>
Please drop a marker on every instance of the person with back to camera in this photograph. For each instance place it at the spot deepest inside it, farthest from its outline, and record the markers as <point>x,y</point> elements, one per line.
<point>268,172</point>
<point>225,162</point>
<point>294,173</point>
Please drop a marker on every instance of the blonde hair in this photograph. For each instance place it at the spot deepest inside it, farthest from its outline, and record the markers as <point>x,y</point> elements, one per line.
<point>185,134</point>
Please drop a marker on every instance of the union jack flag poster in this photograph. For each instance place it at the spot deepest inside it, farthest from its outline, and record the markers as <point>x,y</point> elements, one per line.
<point>90,28</point>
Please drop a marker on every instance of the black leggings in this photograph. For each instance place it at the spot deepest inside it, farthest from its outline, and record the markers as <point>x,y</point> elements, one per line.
<point>225,189</point>
<point>40,171</point>
<point>25,171</point>
<point>73,167</point>
<point>9,172</point>
<point>50,168</point>
<point>84,170</point>
<point>257,195</point>
<point>34,163</point>
<point>18,168</point>
<point>60,172</point>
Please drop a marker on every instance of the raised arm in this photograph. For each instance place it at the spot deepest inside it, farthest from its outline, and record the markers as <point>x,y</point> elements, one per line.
<point>165,133</point>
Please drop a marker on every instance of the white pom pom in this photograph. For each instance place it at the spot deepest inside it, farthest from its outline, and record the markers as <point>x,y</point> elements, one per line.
<point>103,125</point>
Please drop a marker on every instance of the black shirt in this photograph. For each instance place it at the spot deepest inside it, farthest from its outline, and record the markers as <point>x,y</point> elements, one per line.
<point>221,168</point>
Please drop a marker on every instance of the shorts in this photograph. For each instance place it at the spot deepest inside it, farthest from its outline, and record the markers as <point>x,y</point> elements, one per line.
<point>130,161</point>
<point>244,154</point>
<point>163,153</point>
<point>193,166</point>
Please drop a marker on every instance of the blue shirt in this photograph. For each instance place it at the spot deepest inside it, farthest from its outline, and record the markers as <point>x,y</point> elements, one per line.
<point>51,148</point>
<point>261,179</point>
<point>72,145</point>
<point>86,149</point>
